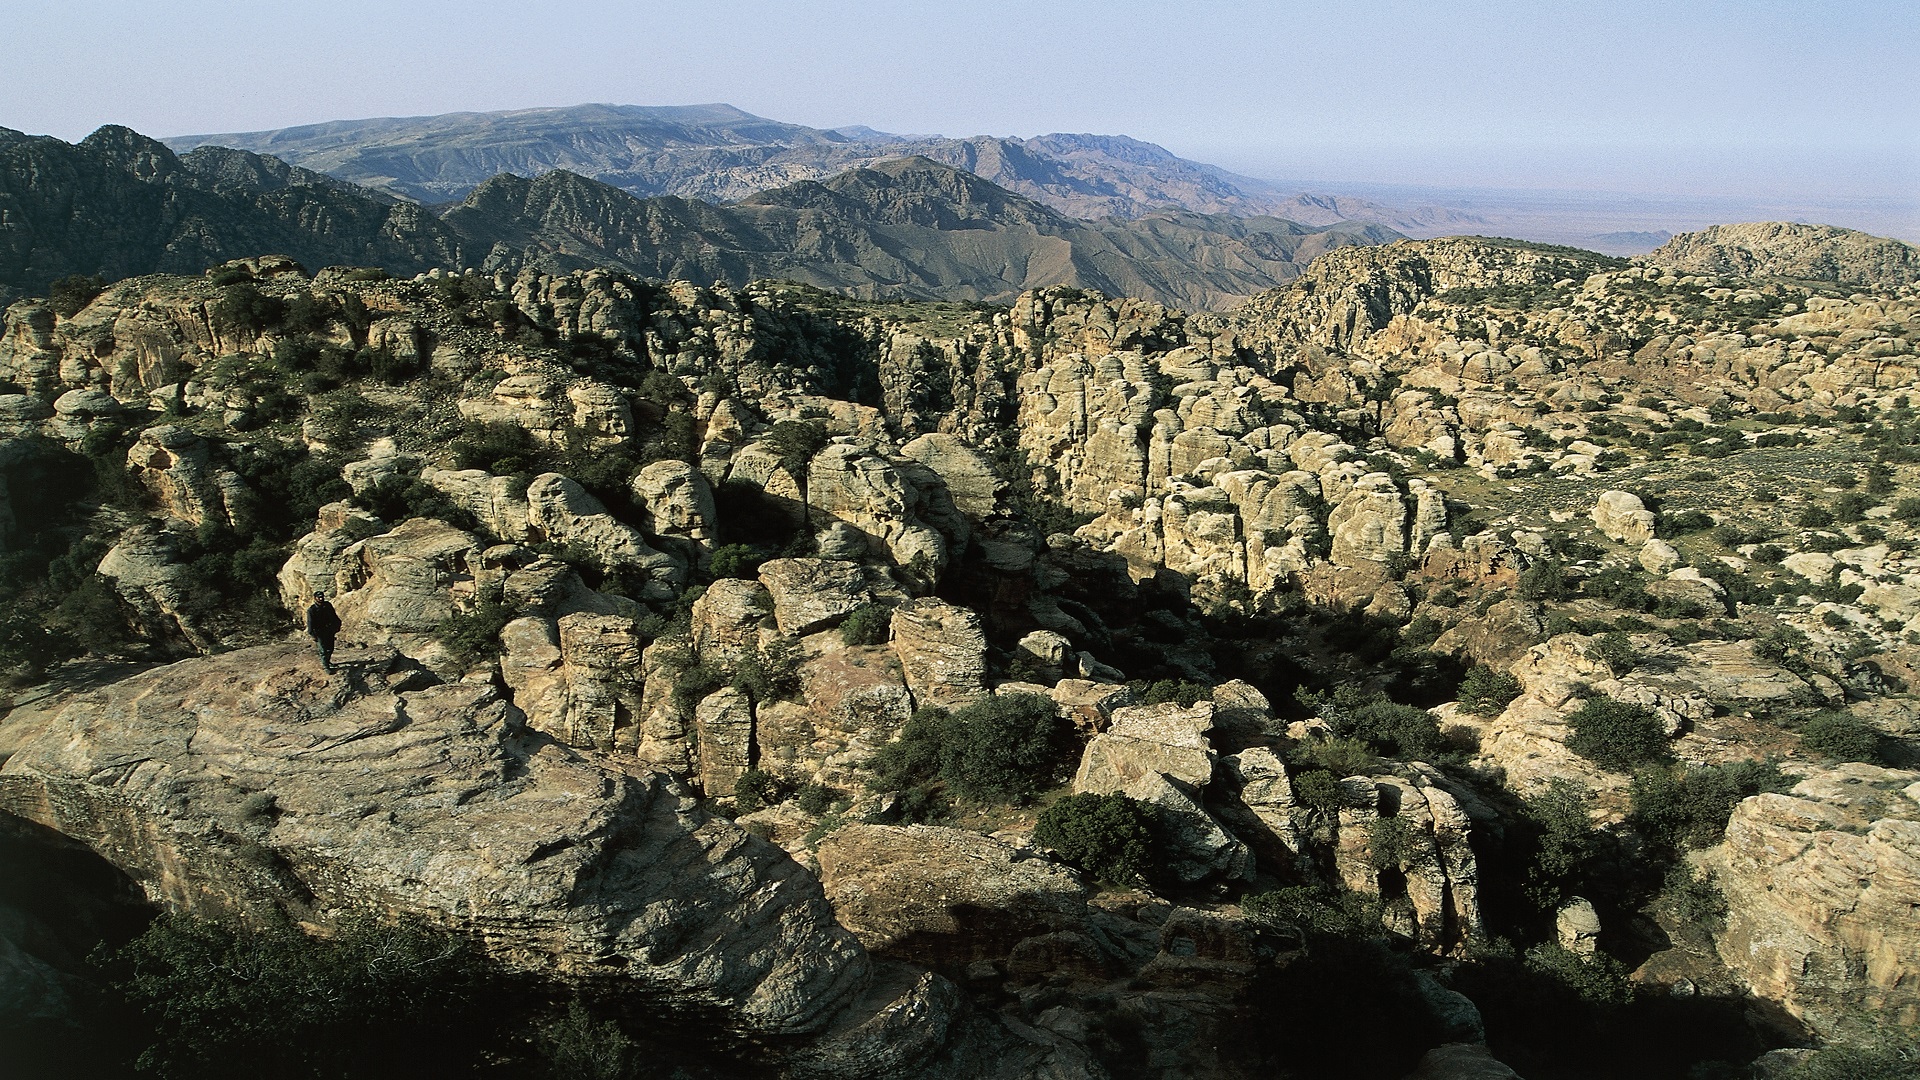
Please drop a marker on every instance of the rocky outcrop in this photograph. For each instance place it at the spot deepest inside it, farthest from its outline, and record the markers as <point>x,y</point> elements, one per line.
<point>435,802</point>
<point>945,897</point>
<point>942,651</point>
<point>1789,249</point>
<point>564,512</point>
<point>1142,740</point>
<point>1622,516</point>
<point>1820,885</point>
<point>813,594</point>
<point>676,509</point>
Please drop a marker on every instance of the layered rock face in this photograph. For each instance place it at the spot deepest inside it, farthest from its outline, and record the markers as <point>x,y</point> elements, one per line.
<point>251,781</point>
<point>1820,886</point>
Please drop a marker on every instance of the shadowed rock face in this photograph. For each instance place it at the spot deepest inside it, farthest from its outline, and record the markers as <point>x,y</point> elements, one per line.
<point>249,780</point>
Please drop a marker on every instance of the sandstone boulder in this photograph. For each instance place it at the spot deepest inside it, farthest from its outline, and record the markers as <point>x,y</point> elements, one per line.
<point>944,897</point>
<point>1820,886</point>
<point>436,803</point>
<point>1145,740</point>
<point>942,650</point>
<point>813,594</point>
<point>1622,516</point>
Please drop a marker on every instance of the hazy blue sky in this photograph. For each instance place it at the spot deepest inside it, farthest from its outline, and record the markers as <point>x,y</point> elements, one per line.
<point>1753,97</point>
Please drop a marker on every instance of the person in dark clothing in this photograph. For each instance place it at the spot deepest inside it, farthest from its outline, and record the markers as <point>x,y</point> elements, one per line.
<point>323,624</point>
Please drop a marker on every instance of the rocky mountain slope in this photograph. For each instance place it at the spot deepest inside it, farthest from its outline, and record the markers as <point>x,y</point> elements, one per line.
<point>1785,249</point>
<point>120,204</point>
<point>717,153</point>
<point>1466,653</point>
<point>907,227</point>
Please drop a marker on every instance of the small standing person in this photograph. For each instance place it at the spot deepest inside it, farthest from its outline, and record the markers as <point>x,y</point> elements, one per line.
<point>323,624</point>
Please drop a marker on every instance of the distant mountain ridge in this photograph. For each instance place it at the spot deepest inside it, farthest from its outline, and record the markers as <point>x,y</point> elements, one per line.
<point>722,154</point>
<point>120,204</point>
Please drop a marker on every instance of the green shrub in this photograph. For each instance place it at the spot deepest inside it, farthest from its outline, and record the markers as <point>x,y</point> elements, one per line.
<point>1690,807</point>
<point>578,1047</point>
<point>868,624</point>
<point>1615,650</point>
<point>1387,727</point>
<point>1769,554</point>
<point>1110,837</point>
<point>1696,902</point>
<point>1318,789</point>
<point>1907,509</point>
<point>475,636</point>
<point>1841,737</point>
<point>371,1000</point>
<point>398,498</point>
<point>1182,693</point>
<point>1616,735</point>
<point>1598,979</point>
<point>1004,749</point>
<point>1338,755</point>
<point>757,789</point>
<point>736,561</point>
<point>1391,844</point>
<point>1485,691</point>
<point>816,798</point>
<point>1546,579</point>
<point>67,295</point>
<point>1315,908</point>
<point>1686,522</point>
<point>1563,843</point>
<point>245,308</point>
<point>796,443</point>
<point>1814,517</point>
<point>1852,506</point>
<point>500,448</point>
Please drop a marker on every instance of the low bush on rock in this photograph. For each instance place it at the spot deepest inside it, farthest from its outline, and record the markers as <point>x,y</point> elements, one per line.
<point>1486,691</point>
<point>1005,749</point>
<point>1109,836</point>
<point>1616,735</point>
<point>1841,737</point>
<point>1690,807</point>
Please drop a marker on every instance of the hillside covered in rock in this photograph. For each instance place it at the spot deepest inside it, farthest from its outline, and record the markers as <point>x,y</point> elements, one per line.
<point>1469,658</point>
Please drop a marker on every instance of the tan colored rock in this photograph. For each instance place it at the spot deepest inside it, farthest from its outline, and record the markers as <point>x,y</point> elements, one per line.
<point>726,620</point>
<point>942,651</point>
<point>176,467</point>
<point>1198,848</point>
<point>1622,516</point>
<point>1370,524</point>
<point>969,479</point>
<point>945,897</point>
<point>496,502</point>
<point>1148,740</point>
<point>723,723</point>
<point>1577,926</point>
<point>813,594</point>
<point>1659,557</point>
<point>147,574</point>
<point>423,803</point>
<point>1820,886</point>
<point>676,508</point>
<point>1498,638</point>
<point>854,483</point>
<point>564,512</point>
